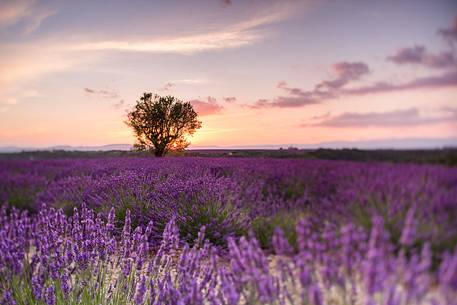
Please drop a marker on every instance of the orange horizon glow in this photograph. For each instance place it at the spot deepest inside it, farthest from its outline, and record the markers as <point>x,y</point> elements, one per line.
<point>258,73</point>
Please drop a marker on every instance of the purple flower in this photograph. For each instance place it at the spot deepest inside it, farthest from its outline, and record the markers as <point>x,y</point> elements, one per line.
<point>315,295</point>
<point>280,243</point>
<point>8,298</point>
<point>140,291</point>
<point>37,286</point>
<point>375,265</point>
<point>392,296</point>
<point>409,229</point>
<point>50,297</point>
<point>110,222</point>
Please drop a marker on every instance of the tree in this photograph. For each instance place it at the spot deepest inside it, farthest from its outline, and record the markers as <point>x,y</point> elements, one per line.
<point>161,123</point>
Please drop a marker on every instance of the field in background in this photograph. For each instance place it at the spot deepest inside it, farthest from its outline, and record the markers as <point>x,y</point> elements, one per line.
<point>445,156</point>
<point>141,230</point>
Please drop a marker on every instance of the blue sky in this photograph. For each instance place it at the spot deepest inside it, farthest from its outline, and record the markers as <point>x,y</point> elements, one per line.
<point>258,72</point>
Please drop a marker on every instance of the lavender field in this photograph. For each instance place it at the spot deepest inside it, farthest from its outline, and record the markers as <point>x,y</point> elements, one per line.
<point>227,231</point>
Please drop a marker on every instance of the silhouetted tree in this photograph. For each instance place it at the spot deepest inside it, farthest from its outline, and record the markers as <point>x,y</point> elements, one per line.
<point>160,123</point>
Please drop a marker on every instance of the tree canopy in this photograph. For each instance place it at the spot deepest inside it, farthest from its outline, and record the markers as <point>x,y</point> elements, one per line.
<point>161,123</point>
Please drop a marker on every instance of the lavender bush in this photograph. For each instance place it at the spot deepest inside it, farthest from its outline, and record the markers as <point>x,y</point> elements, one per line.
<point>227,231</point>
<point>51,258</point>
<point>243,192</point>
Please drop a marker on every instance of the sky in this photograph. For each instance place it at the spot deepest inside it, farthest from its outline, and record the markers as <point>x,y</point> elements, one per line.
<point>258,72</point>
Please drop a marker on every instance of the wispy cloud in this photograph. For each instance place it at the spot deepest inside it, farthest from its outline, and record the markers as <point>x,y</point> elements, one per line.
<point>13,97</point>
<point>192,81</point>
<point>208,107</point>
<point>418,55</point>
<point>24,63</point>
<point>13,100</point>
<point>13,11</point>
<point>167,87</point>
<point>344,73</point>
<point>406,117</point>
<point>332,89</point>
<point>102,93</point>
<point>17,62</point>
<point>119,104</point>
<point>448,79</point>
<point>106,94</point>
<point>322,116</point>
<point>229,100</point>
<point>237,35</point>
<point>300,98</point>
<point>29,13</point>
<point>182,45</point>
<point>21,62</point>
<point>450,33</point>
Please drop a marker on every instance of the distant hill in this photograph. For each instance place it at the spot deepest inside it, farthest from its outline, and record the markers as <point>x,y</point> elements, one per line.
<point>93,148</point>
<point>407,143</point>
<point>109,147</point>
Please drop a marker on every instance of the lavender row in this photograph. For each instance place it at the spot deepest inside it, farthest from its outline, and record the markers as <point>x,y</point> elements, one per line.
<point>230,197</point>
<point>50,258</point>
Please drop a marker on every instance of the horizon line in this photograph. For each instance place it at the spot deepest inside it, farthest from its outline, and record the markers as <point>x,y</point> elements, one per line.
<point>389,143</point>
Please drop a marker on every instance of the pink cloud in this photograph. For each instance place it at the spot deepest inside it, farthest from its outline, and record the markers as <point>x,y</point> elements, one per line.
<point>208,107</point>
<point>418,55</point>
<point>450,33</point>
<point>443,80</point>
<point>407,117</point>
<point>348,72</point>
<point>230,99</point>
<point>345,72</point>
<point>335,88</point>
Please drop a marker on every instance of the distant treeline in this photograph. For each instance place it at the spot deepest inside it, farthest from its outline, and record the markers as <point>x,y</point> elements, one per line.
<point>446,156</point>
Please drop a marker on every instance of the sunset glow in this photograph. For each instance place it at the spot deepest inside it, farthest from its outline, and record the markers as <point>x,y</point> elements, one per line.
<point>257,72</point>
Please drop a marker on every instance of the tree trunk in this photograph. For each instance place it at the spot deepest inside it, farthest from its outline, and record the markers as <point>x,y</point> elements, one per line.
<point>159,151</point>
